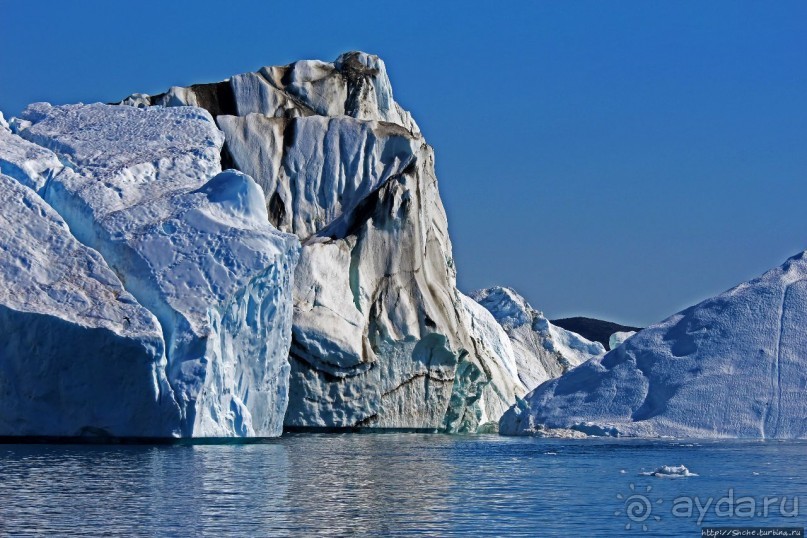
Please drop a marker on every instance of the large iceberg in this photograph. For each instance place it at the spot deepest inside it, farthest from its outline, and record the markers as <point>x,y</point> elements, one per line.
<point>540,349</point>
<point>381,335</point>
<point>732,366</point>
<point>192,244</point>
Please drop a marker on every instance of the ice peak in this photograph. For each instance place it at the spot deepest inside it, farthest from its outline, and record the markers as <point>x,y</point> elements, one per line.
<point>509,308</point>
<point>361,63</point>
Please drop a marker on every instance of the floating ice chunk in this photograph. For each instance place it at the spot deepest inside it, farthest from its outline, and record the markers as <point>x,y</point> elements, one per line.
<point>670,471</point>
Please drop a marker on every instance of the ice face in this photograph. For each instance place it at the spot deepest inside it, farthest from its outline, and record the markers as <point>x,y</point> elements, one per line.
<point>381,338</point>
<point>317,169</point>
<point>193,245</point>
<point>79,355</point>
<point>731,366</point>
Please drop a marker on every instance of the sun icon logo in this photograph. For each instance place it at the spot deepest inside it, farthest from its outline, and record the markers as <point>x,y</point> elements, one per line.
<point>638,508</point>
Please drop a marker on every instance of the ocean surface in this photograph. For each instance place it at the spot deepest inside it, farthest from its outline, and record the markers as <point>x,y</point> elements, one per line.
<point>400,484</point>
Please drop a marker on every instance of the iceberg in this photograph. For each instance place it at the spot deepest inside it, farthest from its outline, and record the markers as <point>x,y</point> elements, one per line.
<point>192,244</point>
<point>541,350</point>
<point>670,471</point>
<point>381,336</point>
<point>596,330</point>
<point>618,338</point>
<point>732,366</point>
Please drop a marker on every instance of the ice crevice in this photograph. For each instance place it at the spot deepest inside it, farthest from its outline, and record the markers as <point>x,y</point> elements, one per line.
<point>771,424</point>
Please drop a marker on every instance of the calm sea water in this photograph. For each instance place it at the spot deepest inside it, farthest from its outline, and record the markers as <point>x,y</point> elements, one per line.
<point>388,484</point>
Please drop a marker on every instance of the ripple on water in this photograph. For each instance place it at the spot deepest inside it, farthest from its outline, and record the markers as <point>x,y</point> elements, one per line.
<point>368,484</point>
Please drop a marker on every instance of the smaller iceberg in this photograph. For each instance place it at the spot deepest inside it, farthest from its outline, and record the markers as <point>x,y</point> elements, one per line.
<point>670,471</point>
<point>618,338</point>
<point>541,350</point>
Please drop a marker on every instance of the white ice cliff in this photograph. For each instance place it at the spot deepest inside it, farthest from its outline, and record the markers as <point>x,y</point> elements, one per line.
<point>732,366</point>
<point>381,335</point>
<point>540,349</point>
<point>192,244</point>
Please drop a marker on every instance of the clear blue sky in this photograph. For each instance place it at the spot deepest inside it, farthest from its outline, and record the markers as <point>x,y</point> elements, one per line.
<point>616,159</point>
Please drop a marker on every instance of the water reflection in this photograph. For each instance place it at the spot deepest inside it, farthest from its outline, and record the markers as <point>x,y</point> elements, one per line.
<point>370,485</point>
<point>365,484</point>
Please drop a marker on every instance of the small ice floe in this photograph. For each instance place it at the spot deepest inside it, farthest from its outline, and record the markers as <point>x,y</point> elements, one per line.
<point>754,473</point>
<point>623,471</point>
<point>670,471</point>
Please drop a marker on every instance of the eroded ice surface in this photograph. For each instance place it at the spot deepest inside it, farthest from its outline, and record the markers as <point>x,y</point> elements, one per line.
<point>356,84</point>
